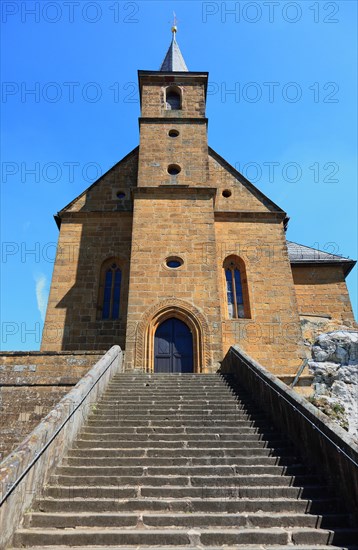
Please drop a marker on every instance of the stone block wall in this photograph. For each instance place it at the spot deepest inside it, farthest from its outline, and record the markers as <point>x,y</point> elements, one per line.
<point>153,96</point>
<point>323,291</point>
<point>175,222</point>
<point>73,319</point>
<point>188,150</point>
<point>31,383</point>
<point>272,335</point>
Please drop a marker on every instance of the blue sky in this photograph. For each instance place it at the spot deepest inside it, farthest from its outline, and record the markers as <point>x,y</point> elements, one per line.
<point>281,108</point>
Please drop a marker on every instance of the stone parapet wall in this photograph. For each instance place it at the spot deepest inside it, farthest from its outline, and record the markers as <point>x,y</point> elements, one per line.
<point>26,471</point>
<point>31,384</point>
<point>45,368</point>
<point>21,409</point>
<point>321,442</point>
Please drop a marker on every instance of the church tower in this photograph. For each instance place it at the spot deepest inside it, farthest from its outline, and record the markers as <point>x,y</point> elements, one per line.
<point>175,256</point>
<point>173,223</point>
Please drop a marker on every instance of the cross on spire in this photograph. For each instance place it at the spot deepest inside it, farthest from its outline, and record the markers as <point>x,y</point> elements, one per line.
<point>174,27</point>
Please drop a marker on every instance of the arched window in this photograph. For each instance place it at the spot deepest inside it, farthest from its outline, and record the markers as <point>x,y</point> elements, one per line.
<point>173,98</point>
<point>236,288</point>
<point>110,290</point>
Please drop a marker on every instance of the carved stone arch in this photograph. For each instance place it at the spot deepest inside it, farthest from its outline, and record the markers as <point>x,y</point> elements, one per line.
<point>155,315</point>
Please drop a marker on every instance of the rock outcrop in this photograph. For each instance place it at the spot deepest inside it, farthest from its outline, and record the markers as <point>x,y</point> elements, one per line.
<point>334,366</point>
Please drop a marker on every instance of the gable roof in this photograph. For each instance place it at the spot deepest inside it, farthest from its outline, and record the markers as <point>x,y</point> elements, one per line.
<point>301,254</point>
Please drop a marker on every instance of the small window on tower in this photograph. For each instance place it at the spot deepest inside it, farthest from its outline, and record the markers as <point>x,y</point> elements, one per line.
<point>173,133</point>
<point>173,99</point>
<point>174,169</point>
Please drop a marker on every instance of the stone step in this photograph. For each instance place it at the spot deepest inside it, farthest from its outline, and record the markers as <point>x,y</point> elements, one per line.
<point>124,437</point>
<point>201,520</point>
<point>235,420</point>
<point>177,452</point>
<point>195,404</point>
<point>180,537</point>
<point>168,430</point>
<point>257,461</point>
<point>243,443</point>
<point>113,421</point>
<point>188,385</point>
<point>164,384</point>
<point>238,480</point>
<point>190,395</point>
<point>320,505</point>
<point>173,491</point>
<point>139,410</point>
<point>204,408</point>
<point>236,547</point>
<point>203,378</point>
<point>196,399</point>
<point>168,385</point>
<point>221,470</point>
<point>119,407</point>
<point>172,378</point>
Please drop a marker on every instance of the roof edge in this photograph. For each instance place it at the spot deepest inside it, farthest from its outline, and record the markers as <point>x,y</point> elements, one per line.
<point>330,259</point>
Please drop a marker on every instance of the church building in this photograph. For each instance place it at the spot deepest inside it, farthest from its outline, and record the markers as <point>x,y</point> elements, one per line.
<point>175,256</point>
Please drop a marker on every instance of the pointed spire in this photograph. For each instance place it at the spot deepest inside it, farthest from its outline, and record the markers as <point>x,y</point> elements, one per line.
<point>173,60</point>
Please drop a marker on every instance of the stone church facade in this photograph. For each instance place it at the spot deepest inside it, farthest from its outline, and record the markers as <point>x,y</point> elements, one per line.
<point>175,256</point>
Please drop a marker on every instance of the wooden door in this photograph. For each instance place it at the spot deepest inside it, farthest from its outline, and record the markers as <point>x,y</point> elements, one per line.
<point>173,347</point>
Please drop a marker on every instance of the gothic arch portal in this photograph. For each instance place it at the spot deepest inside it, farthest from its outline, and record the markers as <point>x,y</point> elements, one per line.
<point>153,317</point>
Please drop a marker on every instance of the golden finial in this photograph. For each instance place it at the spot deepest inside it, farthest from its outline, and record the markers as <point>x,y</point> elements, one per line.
<point>174,27</point>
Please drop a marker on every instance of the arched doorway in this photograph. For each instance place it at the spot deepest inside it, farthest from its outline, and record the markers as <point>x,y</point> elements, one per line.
<point>173,347</point>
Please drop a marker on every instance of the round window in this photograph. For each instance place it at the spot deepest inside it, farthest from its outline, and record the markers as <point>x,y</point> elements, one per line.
<point>174,262</point>
<point>173,133</point>
<point>226,193</point>
<point>174,169</point>
<point>121,195</point>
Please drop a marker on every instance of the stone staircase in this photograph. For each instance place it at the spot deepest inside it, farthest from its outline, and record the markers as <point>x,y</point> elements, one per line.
<point>184,461</point>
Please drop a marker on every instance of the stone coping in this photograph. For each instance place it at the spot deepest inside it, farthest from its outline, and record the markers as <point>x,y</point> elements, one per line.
<point>48,353</point>
<point>315,415</point>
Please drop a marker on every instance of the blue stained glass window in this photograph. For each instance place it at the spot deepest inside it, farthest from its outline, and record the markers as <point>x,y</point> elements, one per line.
<point>234,290</point>
<point>173,263</point>
<point>238,287</point>
<point>107,294</point>
<point>230,292</point>
<point>112,293</point>
<point>116,294</point>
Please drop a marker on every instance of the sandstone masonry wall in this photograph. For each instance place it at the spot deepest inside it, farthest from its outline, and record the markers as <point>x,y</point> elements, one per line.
<point>272,335</point>
<point>175,222</point>
<point>31,383</point>
<point>73,319</point>
<point>322,291</point>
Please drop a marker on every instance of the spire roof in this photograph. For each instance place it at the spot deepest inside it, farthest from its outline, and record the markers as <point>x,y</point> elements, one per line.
<point>174,61</point>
